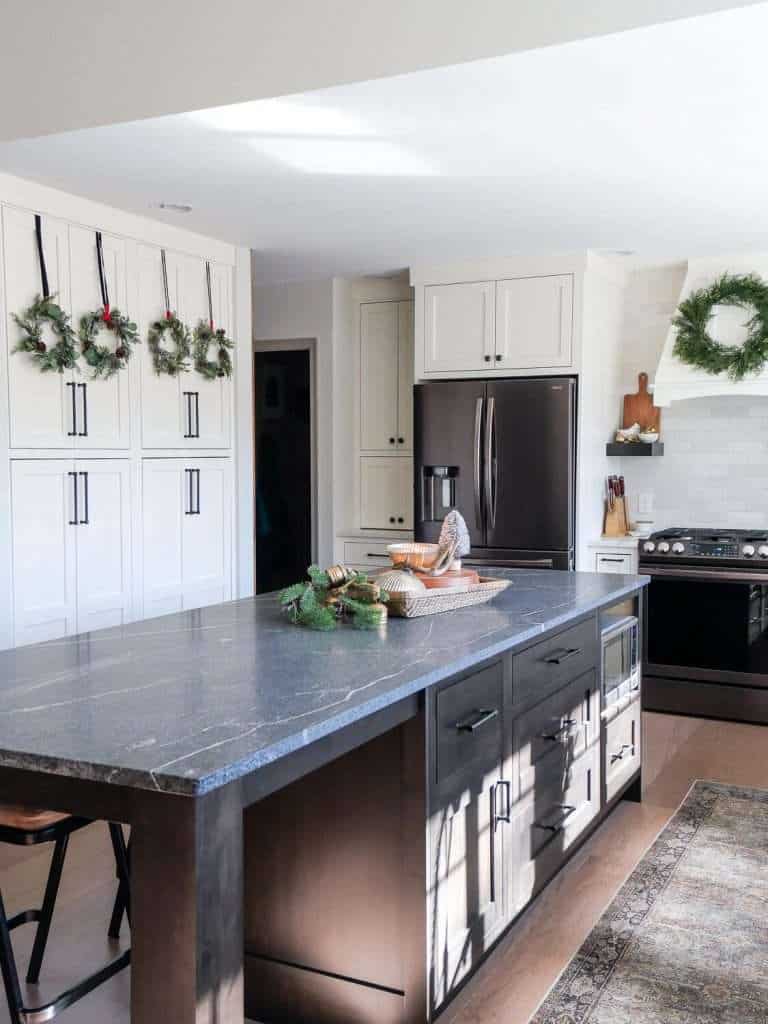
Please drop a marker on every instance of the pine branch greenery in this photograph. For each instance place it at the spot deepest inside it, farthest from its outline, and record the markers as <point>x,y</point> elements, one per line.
<point>695,346</point>
<point>329,595</point>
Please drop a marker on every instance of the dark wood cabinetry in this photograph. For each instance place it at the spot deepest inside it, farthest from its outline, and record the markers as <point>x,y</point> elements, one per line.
<point>430,838</point>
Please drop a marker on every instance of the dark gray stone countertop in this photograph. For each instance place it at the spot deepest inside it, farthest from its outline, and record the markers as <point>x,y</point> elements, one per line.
<point>190,701</point>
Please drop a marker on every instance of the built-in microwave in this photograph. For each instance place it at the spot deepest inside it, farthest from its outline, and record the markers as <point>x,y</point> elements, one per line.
<point>620,636</point>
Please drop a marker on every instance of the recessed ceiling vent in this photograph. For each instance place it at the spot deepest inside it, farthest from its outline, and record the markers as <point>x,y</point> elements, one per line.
<point>173,207</point>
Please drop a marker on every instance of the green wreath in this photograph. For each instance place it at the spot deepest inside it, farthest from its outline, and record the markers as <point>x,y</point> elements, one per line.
<point>695,346</point>
<point>205,335</point>
<point>103,360</point>
<point>166,361</point>
<point>44,310</point>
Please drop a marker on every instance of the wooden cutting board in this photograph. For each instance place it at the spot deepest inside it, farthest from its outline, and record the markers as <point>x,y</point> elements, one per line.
<point>639,408</point>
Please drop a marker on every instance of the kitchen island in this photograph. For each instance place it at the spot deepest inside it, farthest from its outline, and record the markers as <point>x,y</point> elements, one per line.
<point>397,786</point>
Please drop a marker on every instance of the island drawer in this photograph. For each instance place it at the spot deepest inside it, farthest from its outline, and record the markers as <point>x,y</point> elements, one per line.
<point>468,720</point>
<point>622,749</point>
<point>558,730</point>
<point>549,665</point>
<point>371,553</point>
<point>548,822</point>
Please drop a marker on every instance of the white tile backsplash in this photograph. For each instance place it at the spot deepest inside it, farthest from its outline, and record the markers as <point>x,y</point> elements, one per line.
<point>714,471</point>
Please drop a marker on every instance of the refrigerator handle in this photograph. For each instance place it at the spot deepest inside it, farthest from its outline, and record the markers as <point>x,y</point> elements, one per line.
<point>490,466</point>
<point>477,463</point>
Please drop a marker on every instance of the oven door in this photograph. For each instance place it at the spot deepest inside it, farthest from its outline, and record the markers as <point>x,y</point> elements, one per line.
<point>708,625</point>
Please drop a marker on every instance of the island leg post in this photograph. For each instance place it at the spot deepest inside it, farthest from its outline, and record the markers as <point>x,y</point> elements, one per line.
<point>187,910</point>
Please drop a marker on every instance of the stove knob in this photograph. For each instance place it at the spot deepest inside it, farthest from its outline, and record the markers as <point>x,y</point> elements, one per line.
<point>678,548</point>
<point>649,546</point>
<point>748,550</point>
<point>763,551</point>
<point>663,547</point>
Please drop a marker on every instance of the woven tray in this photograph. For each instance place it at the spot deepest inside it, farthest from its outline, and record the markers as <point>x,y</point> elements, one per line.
<point>411,606</point>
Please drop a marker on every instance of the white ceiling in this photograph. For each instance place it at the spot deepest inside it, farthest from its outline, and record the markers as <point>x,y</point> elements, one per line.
<point>652,140</point>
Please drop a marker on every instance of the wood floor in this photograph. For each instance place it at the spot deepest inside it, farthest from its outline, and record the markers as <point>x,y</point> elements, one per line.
<point>511,984</point>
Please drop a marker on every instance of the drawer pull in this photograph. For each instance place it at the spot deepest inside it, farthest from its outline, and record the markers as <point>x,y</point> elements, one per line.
<point>476,719</point>
<point>507,815</point>
<point>567,810</point>
<point>620,755</point>
<point>564,655</point>
<point>564,730</point>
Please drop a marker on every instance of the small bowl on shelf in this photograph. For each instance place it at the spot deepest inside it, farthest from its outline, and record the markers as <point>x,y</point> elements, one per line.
<point>413,555</point>
<point>648,436</point>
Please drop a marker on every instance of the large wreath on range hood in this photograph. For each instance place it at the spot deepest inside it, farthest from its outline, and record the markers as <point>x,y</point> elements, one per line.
<point>694,344</point>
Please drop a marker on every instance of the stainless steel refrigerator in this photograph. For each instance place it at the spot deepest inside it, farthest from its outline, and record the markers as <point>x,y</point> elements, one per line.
<point>502,452</point>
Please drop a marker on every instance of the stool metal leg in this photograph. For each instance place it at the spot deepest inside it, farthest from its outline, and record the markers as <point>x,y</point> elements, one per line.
<point>46,911</point>
<point>8,967</point>
<point>122,862</point>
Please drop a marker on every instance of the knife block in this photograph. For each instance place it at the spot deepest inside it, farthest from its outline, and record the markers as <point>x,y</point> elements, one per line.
<point>616,523</point>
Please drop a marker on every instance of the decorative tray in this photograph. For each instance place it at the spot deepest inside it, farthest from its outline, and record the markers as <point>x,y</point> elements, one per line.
<point>411,606</point>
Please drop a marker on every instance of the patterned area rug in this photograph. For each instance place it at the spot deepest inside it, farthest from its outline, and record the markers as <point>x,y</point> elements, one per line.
<point>686,939</point>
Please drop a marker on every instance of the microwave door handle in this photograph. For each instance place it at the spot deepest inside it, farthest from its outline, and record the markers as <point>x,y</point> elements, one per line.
<point>490,495</point>
<point>478,462</point>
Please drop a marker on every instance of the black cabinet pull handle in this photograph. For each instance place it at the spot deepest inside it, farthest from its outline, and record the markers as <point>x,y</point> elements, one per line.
<point>487,359</point>
<point>73,431</point>
<point>564,655</point>
<point>499,358</point>
<point>507,815</point>
<point>85,520</point>
<point>197,491</point>
<point>84,431</point>
<point>188,400</point>
<point>401,440</point>
<point>620,755</point>
<point>188,509</point>
<point>391,440</point>
<point>477,719</point>
<point>567,809</point>
<point>400,519</point>
<point>73,478</point>
<point>391,519</point>
<point>197,414</point>
<point>564,729</point>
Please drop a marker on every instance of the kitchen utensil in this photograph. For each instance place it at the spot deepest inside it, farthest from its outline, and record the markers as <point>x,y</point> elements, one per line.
<point>639,408</point>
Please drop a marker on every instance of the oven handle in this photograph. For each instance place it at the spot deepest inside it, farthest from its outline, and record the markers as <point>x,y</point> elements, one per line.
<point>706,576</point>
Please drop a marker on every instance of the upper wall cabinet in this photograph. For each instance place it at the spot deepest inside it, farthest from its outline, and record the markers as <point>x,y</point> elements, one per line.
<point>42,406</point>
<point>386,377</point>
<point>534,322</point>
<point>514,322</point>
<point>186,411</point>
<point>458,327</point>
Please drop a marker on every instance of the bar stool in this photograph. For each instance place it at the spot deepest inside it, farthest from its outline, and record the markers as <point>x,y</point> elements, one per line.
<point>22,827</point>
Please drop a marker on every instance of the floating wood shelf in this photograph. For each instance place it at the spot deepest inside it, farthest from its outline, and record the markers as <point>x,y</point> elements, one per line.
<point>634,448</point>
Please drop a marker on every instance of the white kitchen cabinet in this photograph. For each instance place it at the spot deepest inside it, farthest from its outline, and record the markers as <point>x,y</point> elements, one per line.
<point>71,546</point>
<point>386,376</point>
<point>41,404</point>
<point>103,406</point>
<point>187,411</point>
<point>186,533</point>
<point>386,493</point>
<point>534,322</point>
<point>459,327</point>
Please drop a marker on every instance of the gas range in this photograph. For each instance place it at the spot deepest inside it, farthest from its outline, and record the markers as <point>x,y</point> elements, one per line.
<point>712,548</point>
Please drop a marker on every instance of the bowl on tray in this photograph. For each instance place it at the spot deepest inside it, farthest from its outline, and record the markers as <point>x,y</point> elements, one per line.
<point>412,555</point>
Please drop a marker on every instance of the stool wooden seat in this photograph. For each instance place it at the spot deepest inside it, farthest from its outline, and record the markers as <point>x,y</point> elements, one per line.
<point>24,827</point>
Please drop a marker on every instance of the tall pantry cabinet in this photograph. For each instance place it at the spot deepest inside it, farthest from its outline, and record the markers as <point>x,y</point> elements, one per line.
<point>119,493</point>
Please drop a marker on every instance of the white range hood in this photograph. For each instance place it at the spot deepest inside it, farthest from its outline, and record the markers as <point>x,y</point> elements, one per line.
<point>675,380</point>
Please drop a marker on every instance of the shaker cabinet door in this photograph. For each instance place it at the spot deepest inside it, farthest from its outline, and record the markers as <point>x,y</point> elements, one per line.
<point>103,543</point>
<point>459,327</point>
<point>379,376</point>
<point>41,404</point>
<point>207,535</point>
<point>163,409</point>
<point>103,405</point>
<point>44,549</point>
<point>386,493</point>
<point>534,322</point>
<point>405,367</point>
<point>164,503</point>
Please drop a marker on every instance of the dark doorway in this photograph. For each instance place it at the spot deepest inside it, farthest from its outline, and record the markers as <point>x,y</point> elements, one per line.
<point>282,389</point>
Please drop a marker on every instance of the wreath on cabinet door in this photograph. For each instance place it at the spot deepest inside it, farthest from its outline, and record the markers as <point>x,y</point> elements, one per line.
<point>103,360</point>
<point>694,344</point>
<point>206,334</point>
<point>45,310</point>
<point>170,362</point>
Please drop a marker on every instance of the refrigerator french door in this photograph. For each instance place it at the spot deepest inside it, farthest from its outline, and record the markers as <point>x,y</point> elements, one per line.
<point>502,453</point>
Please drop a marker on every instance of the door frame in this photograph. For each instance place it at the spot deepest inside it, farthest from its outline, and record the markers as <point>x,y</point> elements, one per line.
<point>291,345</point>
